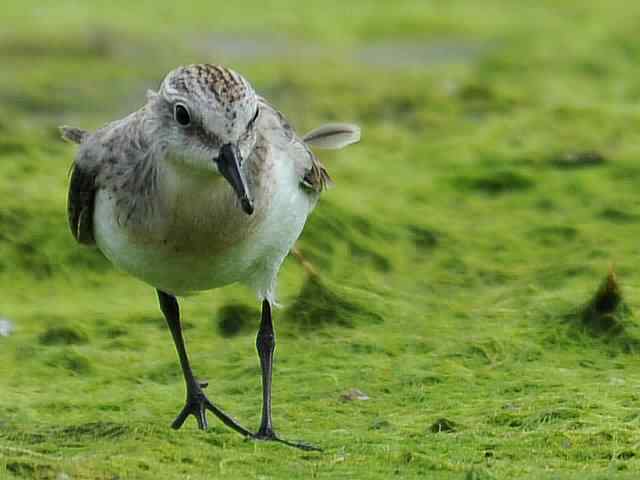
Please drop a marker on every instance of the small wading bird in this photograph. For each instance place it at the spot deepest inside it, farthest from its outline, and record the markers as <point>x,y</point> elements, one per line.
<point>206,185</point>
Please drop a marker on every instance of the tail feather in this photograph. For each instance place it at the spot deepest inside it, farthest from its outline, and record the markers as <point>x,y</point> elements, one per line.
<point>73,134</point>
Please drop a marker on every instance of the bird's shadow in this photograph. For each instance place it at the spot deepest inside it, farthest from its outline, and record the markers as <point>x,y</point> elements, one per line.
<point>237,319</point>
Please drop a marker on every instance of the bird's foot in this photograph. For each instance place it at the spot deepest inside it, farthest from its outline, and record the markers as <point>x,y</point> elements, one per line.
<point>197,405</point>
<point>268,435</point>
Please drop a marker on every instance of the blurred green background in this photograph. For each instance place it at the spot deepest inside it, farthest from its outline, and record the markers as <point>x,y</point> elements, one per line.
<point>494,189</point>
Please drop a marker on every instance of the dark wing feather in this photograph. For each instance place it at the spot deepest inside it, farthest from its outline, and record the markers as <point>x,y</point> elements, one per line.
<point>316,177</point>
<point>82,192</point>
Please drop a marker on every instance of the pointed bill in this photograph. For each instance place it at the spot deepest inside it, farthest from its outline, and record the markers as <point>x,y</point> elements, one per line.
<point>229,167</point>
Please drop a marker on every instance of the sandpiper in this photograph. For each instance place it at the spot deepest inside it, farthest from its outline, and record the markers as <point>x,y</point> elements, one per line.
<point>206,185</point>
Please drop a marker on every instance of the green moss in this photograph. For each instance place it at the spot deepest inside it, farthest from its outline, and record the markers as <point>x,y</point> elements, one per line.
<point>495,183</point>
<point>236,319</point>
<point>457,260</point>
<point>63,336</point>
<point>443,425</point>
<point>71,361</point>
<point>319,305</point>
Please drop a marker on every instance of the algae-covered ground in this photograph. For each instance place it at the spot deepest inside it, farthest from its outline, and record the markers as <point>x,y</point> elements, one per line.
<point>477,260</point>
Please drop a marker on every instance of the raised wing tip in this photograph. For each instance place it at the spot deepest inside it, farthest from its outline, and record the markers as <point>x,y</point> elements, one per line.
<point>333,135</point>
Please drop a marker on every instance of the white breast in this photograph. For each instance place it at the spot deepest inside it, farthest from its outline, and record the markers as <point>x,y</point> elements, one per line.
<point>199,238</point>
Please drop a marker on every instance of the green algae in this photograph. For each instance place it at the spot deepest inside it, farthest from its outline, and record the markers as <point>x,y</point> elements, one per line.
<point>456,260</point>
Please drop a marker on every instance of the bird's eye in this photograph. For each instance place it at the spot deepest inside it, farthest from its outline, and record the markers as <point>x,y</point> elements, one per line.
<point>255,116</point>
<point>181,114</point>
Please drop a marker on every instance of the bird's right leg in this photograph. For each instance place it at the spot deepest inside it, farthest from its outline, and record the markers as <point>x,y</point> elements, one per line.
<point>266,344</point>
<point>197,403</point>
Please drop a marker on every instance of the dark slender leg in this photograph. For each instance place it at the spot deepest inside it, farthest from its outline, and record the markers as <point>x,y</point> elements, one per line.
<point>197,403</point>
<point>266,344</point>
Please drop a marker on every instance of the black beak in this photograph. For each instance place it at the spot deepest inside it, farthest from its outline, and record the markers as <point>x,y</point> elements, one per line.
<point>229,166</point>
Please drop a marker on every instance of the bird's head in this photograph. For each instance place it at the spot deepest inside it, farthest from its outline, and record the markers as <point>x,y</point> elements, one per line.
<point>206,117</point>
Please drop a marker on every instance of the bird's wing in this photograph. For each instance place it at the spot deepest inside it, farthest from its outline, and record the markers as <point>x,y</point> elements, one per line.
<point>330,136</point>
<point>316,177</point>
<point>313,176</point>
<point>82,192</point>
<point>82,189</point>
<point>333,136</point>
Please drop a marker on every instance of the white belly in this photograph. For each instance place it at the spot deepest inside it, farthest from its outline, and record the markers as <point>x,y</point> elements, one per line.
<point>185,255</point>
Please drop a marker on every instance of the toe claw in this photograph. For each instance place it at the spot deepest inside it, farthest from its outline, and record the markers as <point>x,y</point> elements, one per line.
<point>270,436</point>
<point>307,447</point>
<point>197,405</point>
<point>180,419</point>
<point>201,418</point>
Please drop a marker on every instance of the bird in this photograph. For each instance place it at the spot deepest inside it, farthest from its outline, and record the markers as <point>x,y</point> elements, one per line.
<point>206,185</point>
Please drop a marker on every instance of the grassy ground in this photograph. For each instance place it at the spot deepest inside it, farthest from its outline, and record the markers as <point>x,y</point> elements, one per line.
<point>495,187</point>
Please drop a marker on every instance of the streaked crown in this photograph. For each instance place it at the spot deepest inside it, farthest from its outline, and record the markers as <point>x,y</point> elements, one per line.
<point>219,105</point>
<point>203,80</point>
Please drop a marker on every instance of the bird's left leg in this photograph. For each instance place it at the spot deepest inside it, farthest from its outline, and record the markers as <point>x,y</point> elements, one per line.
<point>266,344</point>
<point>197,402</point>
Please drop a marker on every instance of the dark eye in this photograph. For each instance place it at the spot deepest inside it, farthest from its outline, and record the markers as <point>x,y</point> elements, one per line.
<point>181,114</point>
<point>255,116</point>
